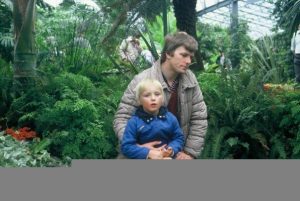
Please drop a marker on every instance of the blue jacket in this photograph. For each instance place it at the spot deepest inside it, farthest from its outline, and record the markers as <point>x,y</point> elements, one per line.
<point>143,127</point>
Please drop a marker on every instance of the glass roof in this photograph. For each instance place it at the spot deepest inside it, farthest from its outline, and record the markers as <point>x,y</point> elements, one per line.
<point>257,13</point>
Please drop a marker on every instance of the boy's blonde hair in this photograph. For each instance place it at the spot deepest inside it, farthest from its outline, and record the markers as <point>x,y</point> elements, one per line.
<point>142,85</point>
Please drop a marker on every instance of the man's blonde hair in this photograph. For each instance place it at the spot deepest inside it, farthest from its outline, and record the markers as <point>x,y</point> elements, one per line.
<point>142,86</point>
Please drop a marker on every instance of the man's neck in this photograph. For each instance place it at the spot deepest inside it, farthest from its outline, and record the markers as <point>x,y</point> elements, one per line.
<point>168,72</point>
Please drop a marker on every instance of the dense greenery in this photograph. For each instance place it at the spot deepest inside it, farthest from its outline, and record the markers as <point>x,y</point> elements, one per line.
<point>6,42</point>
<point>287,14</point>
<point>247,122</point>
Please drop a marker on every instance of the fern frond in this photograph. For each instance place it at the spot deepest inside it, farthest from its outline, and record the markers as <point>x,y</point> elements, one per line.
<point>218,141</point>
<point>278,148</point>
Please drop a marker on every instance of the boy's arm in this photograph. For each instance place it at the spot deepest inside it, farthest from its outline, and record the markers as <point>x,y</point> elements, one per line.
<point>129,146</point>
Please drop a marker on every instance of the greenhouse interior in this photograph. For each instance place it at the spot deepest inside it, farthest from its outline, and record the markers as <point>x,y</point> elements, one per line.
<point>228,75</point>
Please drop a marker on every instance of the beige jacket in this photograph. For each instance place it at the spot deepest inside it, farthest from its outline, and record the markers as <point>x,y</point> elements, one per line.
<point>192,109</point>
<point>129,50</point>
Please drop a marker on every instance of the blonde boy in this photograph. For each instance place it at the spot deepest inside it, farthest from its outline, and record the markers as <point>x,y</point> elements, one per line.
<point>151,122</point>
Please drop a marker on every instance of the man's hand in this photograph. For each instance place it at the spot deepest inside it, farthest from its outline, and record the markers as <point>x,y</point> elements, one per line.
<point>183,156</point>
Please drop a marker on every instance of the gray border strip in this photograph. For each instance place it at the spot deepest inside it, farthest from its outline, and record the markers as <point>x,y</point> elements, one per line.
<point>135,180</point>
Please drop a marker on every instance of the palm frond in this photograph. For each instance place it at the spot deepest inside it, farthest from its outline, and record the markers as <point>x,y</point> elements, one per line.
<point>293,17</point>
<point>6,40</point>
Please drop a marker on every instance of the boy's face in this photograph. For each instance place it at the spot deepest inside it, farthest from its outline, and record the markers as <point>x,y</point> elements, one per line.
<point>151,99</point>
<point>180,60</point>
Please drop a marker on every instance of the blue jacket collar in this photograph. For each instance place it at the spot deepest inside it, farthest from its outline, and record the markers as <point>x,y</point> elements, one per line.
<point>147,118</point>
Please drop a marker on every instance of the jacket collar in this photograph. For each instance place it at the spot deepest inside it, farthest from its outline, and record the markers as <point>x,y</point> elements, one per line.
<point>147,118</point>
<point>184,79</point>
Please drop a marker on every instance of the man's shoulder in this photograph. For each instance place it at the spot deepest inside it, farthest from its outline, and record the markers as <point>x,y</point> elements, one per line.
<point>142,75</point>
<point>189,79</point>
<point>146,71</point>
<point>190,74</point>
<point>151,72</point>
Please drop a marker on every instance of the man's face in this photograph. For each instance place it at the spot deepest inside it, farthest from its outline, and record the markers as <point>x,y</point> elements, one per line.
<point>180,60</point>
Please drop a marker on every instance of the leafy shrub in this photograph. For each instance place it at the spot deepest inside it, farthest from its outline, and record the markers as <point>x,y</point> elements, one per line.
<point>268,61</point>
<point>68,125</point>
<point>247,122</point>
<point>284,118</point>
<point>66,114</point>
<point>234,103</point>
<point>87,143</point>
<point>23,110</point>
<point>72,125</point>
<point>62,84</point>
<point>15,153</point>
<point>6,83</point>
<point>69,104</point>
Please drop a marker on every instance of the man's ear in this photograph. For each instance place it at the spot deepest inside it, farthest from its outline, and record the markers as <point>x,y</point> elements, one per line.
<point>168,56</point>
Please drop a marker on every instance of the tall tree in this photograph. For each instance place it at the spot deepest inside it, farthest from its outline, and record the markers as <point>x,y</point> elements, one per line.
<point>287,14</point>
<point>235,52</point>
<point>185,13</point>
<point>25,53</point>
<point>130,11</point>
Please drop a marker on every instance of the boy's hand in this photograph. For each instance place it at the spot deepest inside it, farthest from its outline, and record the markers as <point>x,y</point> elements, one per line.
<point>155,154</point>
<point>167,152</point>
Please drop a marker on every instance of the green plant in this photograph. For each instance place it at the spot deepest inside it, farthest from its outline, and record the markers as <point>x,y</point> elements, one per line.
<point>236,129</point>
<point>285,112</point>
<point>25,108</point>
<point>66,114</point>
<point>89,142</point>
<point>73,125</point>
<point>266,61</point>
<point>14,153</point>
<point>247,122</point>
<point>64,84</point>
<point>6,83</point>
<point>70,104</point>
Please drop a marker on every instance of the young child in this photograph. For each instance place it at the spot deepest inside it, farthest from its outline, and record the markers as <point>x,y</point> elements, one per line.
<point>151,122</point>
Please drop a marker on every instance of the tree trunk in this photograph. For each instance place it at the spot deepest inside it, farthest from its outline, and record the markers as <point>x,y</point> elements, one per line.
<point>25,55</point>
<point>235,53</point>
<point>185,13</point>
<point>165,17</point>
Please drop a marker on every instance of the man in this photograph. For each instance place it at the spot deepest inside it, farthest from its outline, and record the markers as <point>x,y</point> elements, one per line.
<point>183,96</point>
<point>223,61</point>
<point>130,48</point>
<point>295,48</point>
